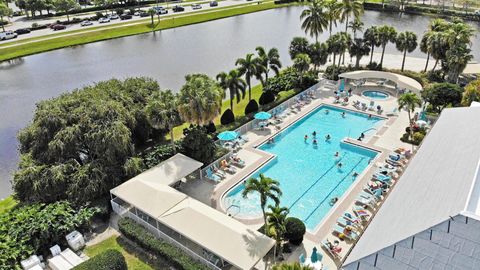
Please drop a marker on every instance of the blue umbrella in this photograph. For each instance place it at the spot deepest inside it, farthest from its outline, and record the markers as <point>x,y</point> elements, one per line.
<point>314,257</point>
<point>262,116</point>
<point>227,135</point>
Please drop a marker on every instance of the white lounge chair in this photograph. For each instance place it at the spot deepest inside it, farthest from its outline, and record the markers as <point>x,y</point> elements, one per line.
<point>394,112</point>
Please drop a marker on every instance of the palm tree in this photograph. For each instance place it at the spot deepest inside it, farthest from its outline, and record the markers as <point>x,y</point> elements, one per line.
<point>356,25</point>
<point>270,60</point>
<point>161,111</point>
<point>333,46</point>
<point>429,43</point>
<point>152,13</point>
<point>439,47</point>
<point>371,37</point>
<point>248,66</point>
<point>333,13</point>
<point>386,34</point>
<point>406,42</point>
<point>301,63</point>
<point>359,48</point>
<point>298,45</point>
<point>344,43</point>
<point>409,101</point>
<point>276,220</point>
<point>315,19</point>
<point>350,8</point>
<point>233,82</point>
<point>318,54</point>
<point>457,59</point>
<point>200,99</point>
<point>426,48</point>
<point>267,188</point>
<point>291,266</point>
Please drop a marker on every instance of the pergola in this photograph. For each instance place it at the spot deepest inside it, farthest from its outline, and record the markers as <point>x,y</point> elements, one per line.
<point>402,82</point>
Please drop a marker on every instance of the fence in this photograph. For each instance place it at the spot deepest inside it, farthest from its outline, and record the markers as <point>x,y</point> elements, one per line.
<point>123,212</point>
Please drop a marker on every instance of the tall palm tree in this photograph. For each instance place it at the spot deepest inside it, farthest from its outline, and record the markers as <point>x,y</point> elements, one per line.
<point>426,48</point>
<point>333,46</point>
<point>291,266</point>
<point>315,19</point>
<point>408,102</point>
<point>161,111</point>
<point>298,45</point>
<point>439,47</point>
<point>267,188</point>
<point>333,13</point>
<point>200,99</point>
<point>350,8</point>
<point>234,83</point>
<point>457,59</point>
<point>429,43</point>
<point>359,48</point>
<point>386,34</point>
<point>318,54</point>
<point>406,42</point>
<point>270,60</point>
<point>372,38</point>
<point>301,63</point>
<point>248,66</point>
<point>276,220</point>
<point>344,43</point>
<point>356,26</point>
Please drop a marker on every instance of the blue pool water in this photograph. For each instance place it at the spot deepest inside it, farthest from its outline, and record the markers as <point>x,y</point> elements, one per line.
<point>375,94</point>
<point>308,174</point>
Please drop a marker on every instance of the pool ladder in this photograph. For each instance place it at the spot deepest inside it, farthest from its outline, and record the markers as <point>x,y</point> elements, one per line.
<point>233,205</point>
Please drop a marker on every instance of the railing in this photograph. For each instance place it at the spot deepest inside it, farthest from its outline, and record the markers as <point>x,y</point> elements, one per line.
<point>123,212</point>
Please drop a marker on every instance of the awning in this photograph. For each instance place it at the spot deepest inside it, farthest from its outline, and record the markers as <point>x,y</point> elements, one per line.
<point>403,82</point>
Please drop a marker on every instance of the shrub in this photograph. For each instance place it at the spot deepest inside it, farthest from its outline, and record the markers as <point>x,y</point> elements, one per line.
<point>435,76</point>
<point>471,93</point>
<point>108,260</point>
<point>119,11</point>
<point>227,117</point>
<point>295,230</point>
<point>266,98</point>
<point>198,145</point>
<point>98,15</point>
<point>211,128</point>
<point>418,137</point>
<point>251,107</point>
<point>159,153</point>
<point>173,255</point>
<point>374,66</point>
<point>332,72</point>
<point>441,95</point>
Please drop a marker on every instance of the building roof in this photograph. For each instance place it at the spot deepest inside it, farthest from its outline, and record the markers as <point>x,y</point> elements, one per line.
<point>401,81</point>
<point>439,182</point>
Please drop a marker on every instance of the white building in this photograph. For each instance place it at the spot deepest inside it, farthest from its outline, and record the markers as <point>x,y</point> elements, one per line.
<point>432,218</point>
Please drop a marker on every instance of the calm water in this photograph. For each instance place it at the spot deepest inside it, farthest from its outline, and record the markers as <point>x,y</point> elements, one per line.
<point>308,172</point>
<point>167,56</point>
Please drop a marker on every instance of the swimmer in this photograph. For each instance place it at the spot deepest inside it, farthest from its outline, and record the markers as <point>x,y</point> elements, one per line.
<point>314,141</point>
<point>369,116</point>
<point>336,154</point>
<point>314,134</point>
<point>305,138</point>
<point>327,111</point>
<point>343,114</point>
<point>327,138</point>
<point>271,140</point>
<point>355,174</point>
<point>339,165</point>
<point>333,201</point>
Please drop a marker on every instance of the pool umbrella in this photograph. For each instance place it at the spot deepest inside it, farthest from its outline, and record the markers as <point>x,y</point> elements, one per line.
<point>314,257</point>
<point>227,135</point>
<point>262,116</point>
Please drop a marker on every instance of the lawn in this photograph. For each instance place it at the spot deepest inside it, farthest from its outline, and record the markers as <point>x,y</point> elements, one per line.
<point>110,33</point>
<point>7,204</point>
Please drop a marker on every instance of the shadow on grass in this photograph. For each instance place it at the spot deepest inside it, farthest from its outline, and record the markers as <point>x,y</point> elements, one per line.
<point>146,257</point>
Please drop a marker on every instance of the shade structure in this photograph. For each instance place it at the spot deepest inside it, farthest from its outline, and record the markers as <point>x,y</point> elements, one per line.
<point>227,135</point>
<point>402,82</point>
<point>314,257</point>
<point>262,116</point>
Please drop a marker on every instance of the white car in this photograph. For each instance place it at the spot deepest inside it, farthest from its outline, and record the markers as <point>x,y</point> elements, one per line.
<point>113,17</point>
<point>7,35</point>
<point>196,6</point>
<point>86,23</point>
<point>104,20</point>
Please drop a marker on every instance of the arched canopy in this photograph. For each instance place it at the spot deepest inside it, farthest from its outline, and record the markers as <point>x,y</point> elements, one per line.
<point>402,82</point>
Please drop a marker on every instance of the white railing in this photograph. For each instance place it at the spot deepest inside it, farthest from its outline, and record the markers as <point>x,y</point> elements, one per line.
<point>123,212</point>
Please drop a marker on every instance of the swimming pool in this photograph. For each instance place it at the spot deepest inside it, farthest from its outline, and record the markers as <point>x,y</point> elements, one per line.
<point>308,174</point>
<point>375,94</point>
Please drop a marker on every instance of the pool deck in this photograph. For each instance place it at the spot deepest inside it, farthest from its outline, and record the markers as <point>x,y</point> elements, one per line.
<point>385,140</point>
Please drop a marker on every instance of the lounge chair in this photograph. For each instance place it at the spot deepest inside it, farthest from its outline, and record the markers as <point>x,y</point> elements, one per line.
<point>351,218</point>
<point>365,202</point>
<point>364,106</point>
<point>361,212</point>
<point>367,196</point>
<point>382,178</point>
<point>328,247</point>
<point>212,176</point>
<point>237,162</point>
<point>371,107</point>
<point>226,167</point>
<point>357,105</point>
<point>217,171</point>
<point>394,112</point>
<point>337,230</point>
<point>342,221</point>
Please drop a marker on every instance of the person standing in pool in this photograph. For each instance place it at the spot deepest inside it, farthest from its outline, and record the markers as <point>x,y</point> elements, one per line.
<point>339,165</point>
<point>314,134</point>
<point>327,138</point>
<point>305,138</point>
<point>314,141</point>
<point>327,111</point>
<point>343,114</point>
<point>336,154</point>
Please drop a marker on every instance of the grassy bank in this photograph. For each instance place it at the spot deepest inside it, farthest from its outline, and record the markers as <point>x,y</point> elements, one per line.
<point>84,37</point>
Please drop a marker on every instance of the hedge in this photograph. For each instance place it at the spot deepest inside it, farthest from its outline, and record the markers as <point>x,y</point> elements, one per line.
<point>171,254</point>
<point>108,260</point>
<point>227,117</point>
<point>294,230</point>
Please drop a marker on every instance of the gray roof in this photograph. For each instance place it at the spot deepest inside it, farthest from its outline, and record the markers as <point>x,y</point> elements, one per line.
<point>439,182</point>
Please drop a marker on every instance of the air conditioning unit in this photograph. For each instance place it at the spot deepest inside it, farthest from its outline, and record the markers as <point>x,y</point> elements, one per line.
<point>75,240</point>
<point>31,262</point>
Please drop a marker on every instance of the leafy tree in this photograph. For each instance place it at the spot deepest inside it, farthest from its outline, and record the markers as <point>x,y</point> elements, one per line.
<point>302,63</point>
<point>406,42</point>
<point>298,45</point>
<point>315,19</point>
<point>270,60</point>
<point>77,144</point>
<point>408,102</point>
<point>471,93</point>
<point>267,188</point>
<point>200,99</point>
<point>372,38</point>
<point>386,34</point>
<point>441,95</point>
<point>291,266</point>
<point>457,59</point>
<point>356,26</point>
<point>248,66</point>
<point>318,53</point>
<point>198,145</point>
<point>234,83</point>
<point>65,6</point>
<point>359,48</point>
<point>276,221</point>
<point>350,8</point>
<point>5,11</point>
<point>429,38</point>
<point>295,230</point>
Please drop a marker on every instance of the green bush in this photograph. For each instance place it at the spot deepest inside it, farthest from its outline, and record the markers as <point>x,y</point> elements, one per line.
<point>108,260</point>
<point>295,230</point>
<point>173,255</point>
<point>441,95</point>
<point>227,117</point>
<point>198,145</point>
<point>151,157</point>
<point>418,137</point>
<point>251,107</point>
<point>332,72</point>
<point>267,97</point>
<point>436,76</point>
<point>374,66</point>
<point>211,128</point>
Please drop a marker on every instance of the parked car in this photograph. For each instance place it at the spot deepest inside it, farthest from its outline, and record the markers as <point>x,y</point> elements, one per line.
<point>114,17</point>
<point>143,14</point>
<point>160,10</point>
<point>125,17</point>
<point>196,6</point>
<point>477,12</point>
<point>22,31</point>
<point>86,23</point>
<point>7,35</point>
<point>104,20</point>
<point>213,3</point>
<point>17,13</point>
<point>56,27</point>
<point>178,9</point>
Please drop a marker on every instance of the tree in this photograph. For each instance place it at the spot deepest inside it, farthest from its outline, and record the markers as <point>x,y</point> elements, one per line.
<point>408,102</point>
<point>356,26</point>
<point>333,13</point>
<point>372,38</point>
<point>276,220</point>
<point>161,111</point>
<point>358,48</point>
<point>471,93</point>
<point>200,99</point>
<point>315,19</point>
<point>429,43</point>
<point>248,66</point>
<point>457,59</point>
<point>291,266</point>
<point>301,63</point>
<point>318,53</point>
<point>350,8</point>
<point>65,6</point>
<point>298,45</point>
<point>267,188</point>
<point>5,11</point>
<point>406,42</point>
<point>441,95</point>
<point>425,47</point>
<point>333,43</point>
<point>386,34</point>
<point>198,145</point>
<point>233,82</point>
<point>270,60</point>
<point>152,13</point>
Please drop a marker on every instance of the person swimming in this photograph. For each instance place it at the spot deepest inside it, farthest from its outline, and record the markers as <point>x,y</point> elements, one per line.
<point>355,174</point>
<point>336,154</point>
<point>333,201</point>
<point>314,134</point>
<point>327,111</point>
<point>369,116</point>
<point>343,114</point>
<point>315,141</point>
<point>328,137</point>
<point>305,138</point>
<point>339,165</point>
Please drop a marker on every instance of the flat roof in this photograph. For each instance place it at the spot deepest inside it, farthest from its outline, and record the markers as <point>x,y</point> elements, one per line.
<point>400,80</point>
<point>440,182</point>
